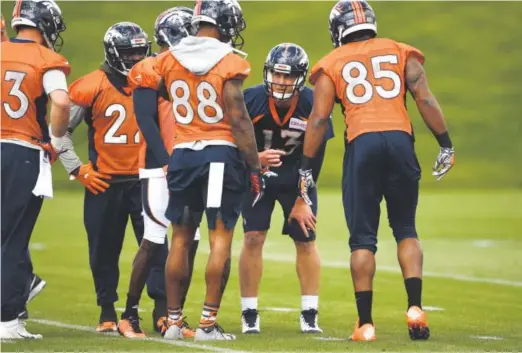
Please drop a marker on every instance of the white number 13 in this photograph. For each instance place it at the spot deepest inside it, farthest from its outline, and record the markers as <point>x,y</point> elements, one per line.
<point>362,76</point>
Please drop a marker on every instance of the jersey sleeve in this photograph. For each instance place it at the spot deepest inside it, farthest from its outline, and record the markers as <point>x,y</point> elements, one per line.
<point>323,66</point>
<point>236,67</point>
<point>143,75</point>
<point>54,61</point>
<point>85,89</point>
<point>408,51</point>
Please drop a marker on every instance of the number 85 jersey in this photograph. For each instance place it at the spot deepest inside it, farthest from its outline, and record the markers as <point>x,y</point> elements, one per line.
<point>369,82</point>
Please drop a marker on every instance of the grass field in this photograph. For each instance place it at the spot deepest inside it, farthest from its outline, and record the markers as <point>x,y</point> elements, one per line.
<point>473,274</point>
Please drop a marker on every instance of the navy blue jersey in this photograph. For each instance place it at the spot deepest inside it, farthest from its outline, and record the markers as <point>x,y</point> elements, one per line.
<point>281,129</point>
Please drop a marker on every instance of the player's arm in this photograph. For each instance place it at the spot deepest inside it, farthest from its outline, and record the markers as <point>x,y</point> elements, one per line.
<point>55,86</point>
<point>316,129</point>
<point>69,159</point>
<point>146,109</point>
<point>431,113</point>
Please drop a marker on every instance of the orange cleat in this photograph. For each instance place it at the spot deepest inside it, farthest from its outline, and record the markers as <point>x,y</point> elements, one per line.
<point>130,328</point>
<point>107,326</point>
<point>417,324</point>
<point>364,333</point>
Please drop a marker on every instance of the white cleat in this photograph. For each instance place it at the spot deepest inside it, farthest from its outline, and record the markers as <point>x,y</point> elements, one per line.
<point>250,321</point>
<point>309,321</point>
<point>213,333</point>
<point>15,330</point>
<point>37,285</point>
<point>174,332</point>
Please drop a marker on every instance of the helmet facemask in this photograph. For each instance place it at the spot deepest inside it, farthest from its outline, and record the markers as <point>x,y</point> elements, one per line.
<point>281,83</point>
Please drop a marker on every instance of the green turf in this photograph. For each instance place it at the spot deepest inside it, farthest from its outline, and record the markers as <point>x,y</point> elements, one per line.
<point>450,225</point>
<point>473,66</point>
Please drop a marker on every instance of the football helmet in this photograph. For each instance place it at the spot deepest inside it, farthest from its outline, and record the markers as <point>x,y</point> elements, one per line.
<point>125,44</point>
<point>44,15</point>
<point>226,15</point>
<point>172,25</point>
<point>289,59</point>
<point>348,17</point>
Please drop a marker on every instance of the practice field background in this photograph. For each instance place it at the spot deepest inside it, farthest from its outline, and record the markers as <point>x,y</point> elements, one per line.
<point>470,223</point>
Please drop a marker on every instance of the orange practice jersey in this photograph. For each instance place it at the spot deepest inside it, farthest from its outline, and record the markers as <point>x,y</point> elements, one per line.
<point>24,102</point>
<point>198,99</point>
<point>166,122</point>
<point>114,138</point>
<point>369,82</point>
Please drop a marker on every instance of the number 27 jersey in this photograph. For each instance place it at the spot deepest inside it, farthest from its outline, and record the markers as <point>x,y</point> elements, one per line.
<point>369,81</point>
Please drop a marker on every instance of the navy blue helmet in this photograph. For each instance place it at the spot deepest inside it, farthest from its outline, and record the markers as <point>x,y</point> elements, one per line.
<point>289,59</point>
<point>348,17</point>
<point>172,25</point>
<point>226,15</point>
<point>125,44</point>
<point>44,15</point>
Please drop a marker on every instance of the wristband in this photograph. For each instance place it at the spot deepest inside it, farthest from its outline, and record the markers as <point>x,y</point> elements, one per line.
<point>444,140</point>
<point>306,163</point>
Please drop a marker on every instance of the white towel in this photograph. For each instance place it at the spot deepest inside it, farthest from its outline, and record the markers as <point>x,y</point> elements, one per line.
<point>44,183</point>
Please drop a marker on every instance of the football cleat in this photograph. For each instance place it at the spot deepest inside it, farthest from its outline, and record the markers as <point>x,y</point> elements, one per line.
<point>417,324</point>
<point>250,321</point>
<point>364,333</point>
<point>130,328</point>
<point>12,330</point>
<point>37,285</point>
<point>186,330</point>
<point>309,321</point>
<point>107,326</point>
<point>212,332</point>
<point>173,330</point>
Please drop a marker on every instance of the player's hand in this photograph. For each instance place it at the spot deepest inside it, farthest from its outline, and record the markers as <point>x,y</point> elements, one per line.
<point>258,183</point>
<point>51,151</point>
<point>444,162</point>
<point>306,183</point>
<point>165,169</point>
<point>271,158</point>
<point>91,179</point>
<point>302,213</point>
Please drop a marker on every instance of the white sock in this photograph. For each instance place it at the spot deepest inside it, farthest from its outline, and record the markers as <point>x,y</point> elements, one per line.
<point>309,302</point>
<point>10,324</point>
<point>248,303</point>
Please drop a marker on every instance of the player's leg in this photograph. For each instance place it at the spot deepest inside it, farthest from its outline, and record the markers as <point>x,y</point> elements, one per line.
<point>401,194</point>
<point>362,194</point>
<point>105,220</point>
<point>308,263</point>
<point>223,195</point>
<point>34,286</point>
<point>20,168</point>
<point>256,223</point>
<point>185,210</point>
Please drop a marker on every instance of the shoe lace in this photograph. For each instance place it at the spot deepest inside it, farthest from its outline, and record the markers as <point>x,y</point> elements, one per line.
<point>309,316</point>
<point>135,323</point>
<point>250,316</point>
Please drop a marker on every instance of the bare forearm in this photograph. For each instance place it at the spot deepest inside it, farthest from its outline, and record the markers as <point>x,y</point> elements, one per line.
<point>243,132</point>
<point>314,135</point>
<point>59,117</point>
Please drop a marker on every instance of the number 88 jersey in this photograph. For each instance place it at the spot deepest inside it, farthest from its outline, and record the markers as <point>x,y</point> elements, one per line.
<point>369,82</point>
<point>197,98</point>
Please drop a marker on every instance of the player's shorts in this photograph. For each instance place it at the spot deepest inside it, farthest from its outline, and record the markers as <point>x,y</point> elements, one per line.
<point>155,197</point>
<point>197,184</point>
<point>258,218</point>
<point>377,165</point>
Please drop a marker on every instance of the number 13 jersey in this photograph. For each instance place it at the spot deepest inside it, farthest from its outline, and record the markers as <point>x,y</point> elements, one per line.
<point>370,83</point>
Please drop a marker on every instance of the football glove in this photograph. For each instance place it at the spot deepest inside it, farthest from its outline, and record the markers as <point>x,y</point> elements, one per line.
<point>444,162</point>
<point>91,179</point>
<point>306,182</point>
<point>258,183</point>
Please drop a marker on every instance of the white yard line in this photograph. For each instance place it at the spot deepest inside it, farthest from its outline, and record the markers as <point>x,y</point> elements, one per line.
<point>154,339</point>
<point>393,269</point>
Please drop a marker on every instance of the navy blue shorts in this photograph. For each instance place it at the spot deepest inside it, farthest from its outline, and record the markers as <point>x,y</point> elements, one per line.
<point>377,165</point>
<point>258,218</point>
<point>212,180</point>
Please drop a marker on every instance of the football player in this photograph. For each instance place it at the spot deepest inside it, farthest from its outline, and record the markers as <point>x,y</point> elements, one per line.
<point>103,99</point>
<point>34,284</point>
<point>170,27</point>
<point>32,73</point>
<point>214,138</point>
<point>279,110</point>
<point>370,77</point>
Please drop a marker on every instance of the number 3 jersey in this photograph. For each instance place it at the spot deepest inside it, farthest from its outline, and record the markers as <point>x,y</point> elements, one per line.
<point>281,129</point>
<point>369,81</point>
<point>107,108</point>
